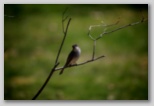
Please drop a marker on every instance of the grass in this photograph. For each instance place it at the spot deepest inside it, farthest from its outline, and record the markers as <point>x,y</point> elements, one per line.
<point>32,39</point>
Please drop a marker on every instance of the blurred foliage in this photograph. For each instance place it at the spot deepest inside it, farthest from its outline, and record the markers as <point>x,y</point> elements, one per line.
<point>32,36</point>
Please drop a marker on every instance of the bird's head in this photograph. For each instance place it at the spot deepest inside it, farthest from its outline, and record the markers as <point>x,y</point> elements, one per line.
<point>74,46</point>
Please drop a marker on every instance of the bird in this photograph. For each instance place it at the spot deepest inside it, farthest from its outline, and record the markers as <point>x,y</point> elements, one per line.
<point>72,57</point>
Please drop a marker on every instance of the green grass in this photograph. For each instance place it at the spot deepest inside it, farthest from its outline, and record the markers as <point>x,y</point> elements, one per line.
<point>32,39</point>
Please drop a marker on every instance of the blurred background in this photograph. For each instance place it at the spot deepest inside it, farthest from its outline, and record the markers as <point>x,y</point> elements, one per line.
<point>32,36</point>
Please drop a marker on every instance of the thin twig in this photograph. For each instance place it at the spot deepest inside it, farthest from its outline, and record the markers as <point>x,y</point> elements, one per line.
<point>104,25</point>
<point>63,19</point>
<point>131,24</point>
<point>94,45</point>
<point>101,34</point>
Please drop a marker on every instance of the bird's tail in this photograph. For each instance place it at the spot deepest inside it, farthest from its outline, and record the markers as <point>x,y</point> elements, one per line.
<point>61,71</point>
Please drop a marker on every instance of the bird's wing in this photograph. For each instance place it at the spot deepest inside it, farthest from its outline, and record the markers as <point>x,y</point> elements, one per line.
<point>69,58</point>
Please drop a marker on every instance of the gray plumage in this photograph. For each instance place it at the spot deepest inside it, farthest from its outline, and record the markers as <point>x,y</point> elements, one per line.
<point>72,57</point>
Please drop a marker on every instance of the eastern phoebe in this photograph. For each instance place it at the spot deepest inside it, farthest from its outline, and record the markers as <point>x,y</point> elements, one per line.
<point>72,57</point>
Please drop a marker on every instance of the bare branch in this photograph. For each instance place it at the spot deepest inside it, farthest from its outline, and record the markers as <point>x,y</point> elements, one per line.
<point>94,45</point>
<point>131,24</point>
<point>56,61</point>
<point>103,25</point>
<point>65,33</point>
<point>101,34</point>
<point>81,63</point>
<point>63,19</point>
<point>47,80</point>
<point>104,31</point>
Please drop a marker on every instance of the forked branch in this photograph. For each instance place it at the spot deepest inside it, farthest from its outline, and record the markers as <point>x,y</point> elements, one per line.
<point>56,61</point>
<point>107,32</point>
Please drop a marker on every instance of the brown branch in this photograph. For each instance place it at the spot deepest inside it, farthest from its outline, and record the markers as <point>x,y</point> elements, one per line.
<point>88,61</point>
<point>56,61</point>
<point>63,19</point>
<point>65,33</point>
<point>47,80</point>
